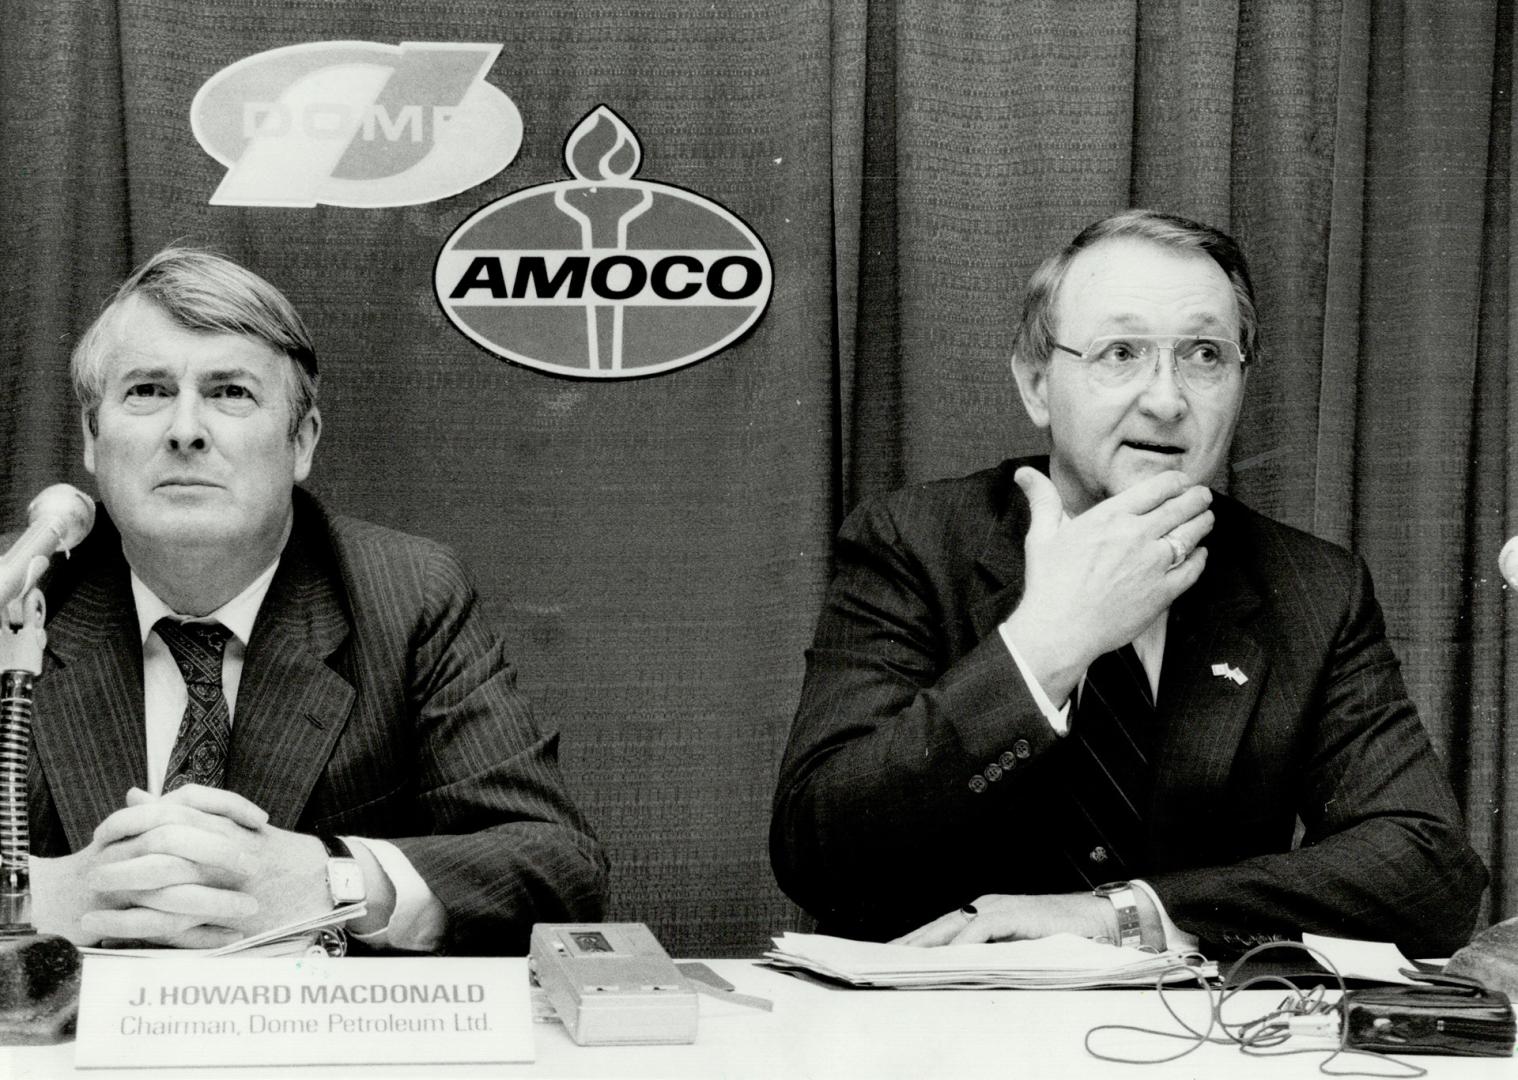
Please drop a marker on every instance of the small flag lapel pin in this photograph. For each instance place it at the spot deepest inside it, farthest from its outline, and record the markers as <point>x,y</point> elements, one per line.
<point>1228,671</point>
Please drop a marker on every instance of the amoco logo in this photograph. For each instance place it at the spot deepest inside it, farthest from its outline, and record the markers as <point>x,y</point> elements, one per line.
<point>356,123</point>
<point>603,276</point>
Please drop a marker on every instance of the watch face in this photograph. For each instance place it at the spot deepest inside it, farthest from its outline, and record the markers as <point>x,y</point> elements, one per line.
<point>345,880</point>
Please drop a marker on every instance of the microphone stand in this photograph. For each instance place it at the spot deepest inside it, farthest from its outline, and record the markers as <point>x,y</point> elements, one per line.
<point>39,973</point>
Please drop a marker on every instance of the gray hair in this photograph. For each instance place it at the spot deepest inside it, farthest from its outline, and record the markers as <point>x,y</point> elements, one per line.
<point>1035,334</point>
<point>201,290</point>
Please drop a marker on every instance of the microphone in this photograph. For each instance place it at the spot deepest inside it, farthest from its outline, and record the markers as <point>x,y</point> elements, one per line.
<point>39,973</point>
<point>59,518</point>
<point>1507,562</point>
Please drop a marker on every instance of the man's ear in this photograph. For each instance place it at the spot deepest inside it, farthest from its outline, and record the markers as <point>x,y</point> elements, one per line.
<point>1033,385</point>
<point>307,434</point>
<point>89,420</point>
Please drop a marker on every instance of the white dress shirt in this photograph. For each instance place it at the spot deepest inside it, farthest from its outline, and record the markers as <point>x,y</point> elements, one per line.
<point>1150,646</point>
<point>418,920</point>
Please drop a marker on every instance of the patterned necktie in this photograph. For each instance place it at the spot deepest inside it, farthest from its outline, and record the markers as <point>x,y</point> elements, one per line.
<point>1112,734</point>
<point>200,750</point>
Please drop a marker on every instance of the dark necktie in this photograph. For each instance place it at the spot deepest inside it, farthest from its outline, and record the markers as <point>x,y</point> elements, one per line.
<point>1112,733</point>
<point>200,750</point>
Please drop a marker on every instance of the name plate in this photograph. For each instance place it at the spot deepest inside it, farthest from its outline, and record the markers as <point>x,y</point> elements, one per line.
<point>302,1010</point>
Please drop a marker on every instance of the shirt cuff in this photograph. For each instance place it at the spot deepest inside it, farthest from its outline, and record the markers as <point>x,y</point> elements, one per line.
<point>1059,718</point>
<point>418,921</point>
<point>1175,937</point>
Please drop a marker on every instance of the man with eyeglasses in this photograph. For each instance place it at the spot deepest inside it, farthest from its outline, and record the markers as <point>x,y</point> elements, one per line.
<point>1088,694</point>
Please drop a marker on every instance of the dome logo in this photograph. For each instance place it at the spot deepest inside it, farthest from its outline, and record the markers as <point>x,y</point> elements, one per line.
<point>356,123</point>
<point>603,276</point>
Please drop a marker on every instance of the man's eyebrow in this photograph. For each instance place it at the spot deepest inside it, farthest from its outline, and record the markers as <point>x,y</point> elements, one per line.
<point>228,374</point>
<point>1208,321</point>
<point>146,374</point>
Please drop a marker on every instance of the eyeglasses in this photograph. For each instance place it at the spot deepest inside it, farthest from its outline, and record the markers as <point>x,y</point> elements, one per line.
<point>1203,364</point>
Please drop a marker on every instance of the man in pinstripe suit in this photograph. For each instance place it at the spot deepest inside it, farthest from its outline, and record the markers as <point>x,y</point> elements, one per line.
<point>252,709</point>
<point>947,777</point>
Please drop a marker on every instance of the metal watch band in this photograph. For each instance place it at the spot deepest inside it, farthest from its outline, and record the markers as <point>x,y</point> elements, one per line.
<point>1129,933</point>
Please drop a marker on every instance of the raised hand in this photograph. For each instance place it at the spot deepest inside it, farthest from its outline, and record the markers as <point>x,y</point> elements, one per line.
<point>1092,583</point>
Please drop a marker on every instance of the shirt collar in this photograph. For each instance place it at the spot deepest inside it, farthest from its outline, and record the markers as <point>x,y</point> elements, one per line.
<point>237,614</point>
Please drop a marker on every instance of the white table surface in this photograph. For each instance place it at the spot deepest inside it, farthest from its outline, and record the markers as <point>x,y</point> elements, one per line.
<point>823,1032</point>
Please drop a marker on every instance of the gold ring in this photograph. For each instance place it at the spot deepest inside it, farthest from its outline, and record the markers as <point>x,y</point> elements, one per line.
<point>1178,551</point>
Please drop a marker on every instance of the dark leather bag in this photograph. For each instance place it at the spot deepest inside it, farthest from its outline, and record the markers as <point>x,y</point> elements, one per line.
<point>1451,1015</point>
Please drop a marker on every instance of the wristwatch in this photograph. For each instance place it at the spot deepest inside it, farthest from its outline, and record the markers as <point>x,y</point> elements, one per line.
<point>345,878</point>
<point>1121,895</point>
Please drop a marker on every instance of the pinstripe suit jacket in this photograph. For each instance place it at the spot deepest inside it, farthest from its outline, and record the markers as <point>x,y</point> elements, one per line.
<point>375,701</point>
<point>888,814</point>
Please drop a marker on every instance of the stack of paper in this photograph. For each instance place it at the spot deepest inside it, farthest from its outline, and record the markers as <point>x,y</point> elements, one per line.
<point>1060,962</point>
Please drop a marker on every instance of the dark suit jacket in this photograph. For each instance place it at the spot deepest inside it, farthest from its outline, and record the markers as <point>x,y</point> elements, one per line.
<point>888,812</point>
<point>375,701</point>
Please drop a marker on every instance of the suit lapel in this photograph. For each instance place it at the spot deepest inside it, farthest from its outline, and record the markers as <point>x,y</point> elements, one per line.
<point>998,585</point>
<point>88,727</point>
<point>1203,716</point>
<point>291,705</point>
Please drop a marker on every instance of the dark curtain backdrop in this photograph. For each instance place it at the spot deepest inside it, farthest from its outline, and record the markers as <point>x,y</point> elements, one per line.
<point>655,550</point>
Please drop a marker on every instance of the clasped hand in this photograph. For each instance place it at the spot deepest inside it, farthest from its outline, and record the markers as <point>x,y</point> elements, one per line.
<point>197,868</point>
<point>1094,582</point>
